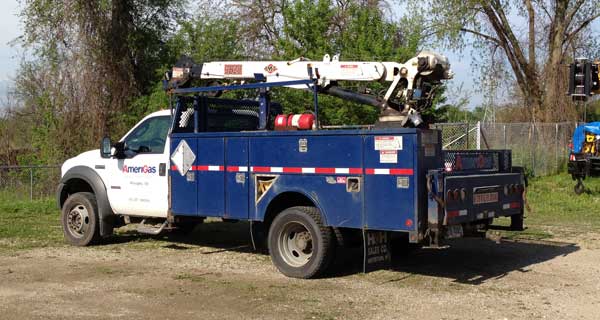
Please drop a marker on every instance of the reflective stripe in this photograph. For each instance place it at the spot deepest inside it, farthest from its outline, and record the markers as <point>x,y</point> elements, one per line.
<point>305,170</point>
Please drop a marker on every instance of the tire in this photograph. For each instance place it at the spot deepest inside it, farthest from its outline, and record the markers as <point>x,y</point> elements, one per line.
<point>79,219</point>
<point>299,244</point>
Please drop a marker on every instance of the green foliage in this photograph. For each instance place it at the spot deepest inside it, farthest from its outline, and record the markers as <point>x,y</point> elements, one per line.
<point>364,35</point>
<point>592,111</point>
<point>450,113</point>
<point>207,38</point>
<point>156,100</point>
<point>303,34</point>
<point>368,36</point>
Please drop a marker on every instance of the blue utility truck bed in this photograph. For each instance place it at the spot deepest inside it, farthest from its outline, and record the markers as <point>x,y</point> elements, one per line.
<point>362,179</point>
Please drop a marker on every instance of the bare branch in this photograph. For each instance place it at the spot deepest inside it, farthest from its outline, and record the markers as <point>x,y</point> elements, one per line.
<point>582,26</point>
<point>479,34</point>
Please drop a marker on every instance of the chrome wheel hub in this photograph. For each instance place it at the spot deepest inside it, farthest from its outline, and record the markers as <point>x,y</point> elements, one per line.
<point>78,221</point>
<point>295,244</point>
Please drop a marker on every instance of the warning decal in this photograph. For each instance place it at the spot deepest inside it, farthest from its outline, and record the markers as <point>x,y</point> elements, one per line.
<point>388,156</point>
<point>233,69</point>
<point>388,143</point>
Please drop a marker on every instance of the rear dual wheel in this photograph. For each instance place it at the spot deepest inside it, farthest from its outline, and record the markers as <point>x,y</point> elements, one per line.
<point>299,244</point>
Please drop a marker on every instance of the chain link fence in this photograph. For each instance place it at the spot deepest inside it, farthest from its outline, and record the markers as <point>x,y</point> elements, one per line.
<point>28,182</point>
<point>460,136</point>
<point>542,148</point>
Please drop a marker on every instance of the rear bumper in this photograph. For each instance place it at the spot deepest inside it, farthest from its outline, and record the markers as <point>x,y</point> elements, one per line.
<point>583,167</point>
<point>481,198</point>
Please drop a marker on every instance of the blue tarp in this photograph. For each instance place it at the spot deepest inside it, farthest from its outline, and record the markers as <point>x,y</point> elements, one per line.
<point>579,134</point>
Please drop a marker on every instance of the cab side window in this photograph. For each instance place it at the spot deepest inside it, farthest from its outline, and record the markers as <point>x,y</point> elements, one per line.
<point>149,136</point>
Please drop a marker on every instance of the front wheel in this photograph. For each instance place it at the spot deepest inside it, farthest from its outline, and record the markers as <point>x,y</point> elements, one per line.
<point>299,244</point>
<point>79,219</point>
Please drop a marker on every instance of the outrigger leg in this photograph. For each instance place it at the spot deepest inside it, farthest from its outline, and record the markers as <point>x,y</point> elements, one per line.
<point>579,187</point>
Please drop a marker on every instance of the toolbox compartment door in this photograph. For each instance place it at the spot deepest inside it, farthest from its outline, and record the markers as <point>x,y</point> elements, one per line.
<point>210,176</point>
<point>390,184</point>
<point>184,189</point>
<point>236,178</point>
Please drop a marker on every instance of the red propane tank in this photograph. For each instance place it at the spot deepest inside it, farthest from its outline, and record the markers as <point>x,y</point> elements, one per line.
<point>303,121</point>
<point>281,122</point>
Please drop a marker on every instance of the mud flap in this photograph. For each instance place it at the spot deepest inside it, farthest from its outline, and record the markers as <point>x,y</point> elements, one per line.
<point>377,254</point>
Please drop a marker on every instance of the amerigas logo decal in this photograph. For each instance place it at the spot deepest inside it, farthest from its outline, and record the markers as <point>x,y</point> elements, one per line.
<point>140,169</point>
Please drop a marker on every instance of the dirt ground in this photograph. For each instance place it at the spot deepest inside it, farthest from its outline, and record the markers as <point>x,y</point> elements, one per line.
<point>137,277</point>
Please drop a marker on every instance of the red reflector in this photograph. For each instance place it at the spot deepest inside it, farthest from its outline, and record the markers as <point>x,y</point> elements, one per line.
<point>452,214</point>
<point>408,222</point>
<point>515,205</point>
<point>572,157</point>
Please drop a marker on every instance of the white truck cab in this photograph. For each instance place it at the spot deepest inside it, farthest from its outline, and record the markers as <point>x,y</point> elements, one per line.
<point>135,184</point>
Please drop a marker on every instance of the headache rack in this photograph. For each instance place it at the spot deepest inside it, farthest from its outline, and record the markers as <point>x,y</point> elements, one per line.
<point>474,161</point>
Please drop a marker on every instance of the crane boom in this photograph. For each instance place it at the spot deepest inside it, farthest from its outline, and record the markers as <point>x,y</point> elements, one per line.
<point>410,92</point>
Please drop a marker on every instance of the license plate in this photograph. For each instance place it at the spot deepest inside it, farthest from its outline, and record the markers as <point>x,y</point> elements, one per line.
<point>454,231</point>
<point>489,197</point>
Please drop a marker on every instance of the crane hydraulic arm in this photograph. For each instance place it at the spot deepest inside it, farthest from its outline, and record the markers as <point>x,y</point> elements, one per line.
<point>411,90</point>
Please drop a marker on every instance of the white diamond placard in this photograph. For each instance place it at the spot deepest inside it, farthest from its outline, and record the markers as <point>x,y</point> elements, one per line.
<point>183,157</point>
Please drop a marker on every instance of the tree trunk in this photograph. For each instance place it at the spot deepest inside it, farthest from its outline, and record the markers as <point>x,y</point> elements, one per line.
<point>554,71</point>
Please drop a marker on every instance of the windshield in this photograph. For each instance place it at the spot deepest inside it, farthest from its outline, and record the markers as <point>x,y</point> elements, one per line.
<point>149,136</point>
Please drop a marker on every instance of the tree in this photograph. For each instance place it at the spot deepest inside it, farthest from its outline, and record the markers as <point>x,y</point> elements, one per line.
<point>535,61</point>
<point>357,30</point>
<point>90,59</point>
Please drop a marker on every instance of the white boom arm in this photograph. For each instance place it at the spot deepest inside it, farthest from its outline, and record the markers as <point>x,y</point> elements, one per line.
<point>426,68</point>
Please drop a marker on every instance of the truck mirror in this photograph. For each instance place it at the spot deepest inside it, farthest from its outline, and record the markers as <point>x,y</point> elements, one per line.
<point>105,148</point>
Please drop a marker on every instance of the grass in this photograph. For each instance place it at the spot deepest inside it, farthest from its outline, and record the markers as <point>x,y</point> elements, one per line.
<point>555,210</point>
<point>27,224</point>
<point>553,202</point>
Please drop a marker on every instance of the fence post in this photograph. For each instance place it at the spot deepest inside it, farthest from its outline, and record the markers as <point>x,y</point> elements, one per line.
<point>478,137</point>
<point>532,148</point>
<point>31,184</point>
<point>556,169</point>
<point>504,135</point>
<point>467,135</point>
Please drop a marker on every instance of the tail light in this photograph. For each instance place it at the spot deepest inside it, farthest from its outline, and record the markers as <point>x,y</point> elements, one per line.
<point>510,189</point>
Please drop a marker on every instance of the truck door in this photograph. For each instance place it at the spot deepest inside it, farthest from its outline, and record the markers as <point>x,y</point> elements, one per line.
<point>140,180</point>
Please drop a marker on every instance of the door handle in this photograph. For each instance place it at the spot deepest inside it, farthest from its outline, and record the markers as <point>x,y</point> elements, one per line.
<point>162,169</point>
